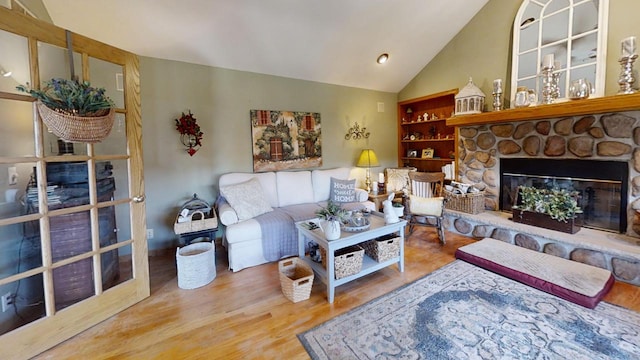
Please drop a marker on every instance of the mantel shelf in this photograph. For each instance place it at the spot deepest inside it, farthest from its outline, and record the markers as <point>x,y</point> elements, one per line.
<point>426,140</point>
<point>572,108</point>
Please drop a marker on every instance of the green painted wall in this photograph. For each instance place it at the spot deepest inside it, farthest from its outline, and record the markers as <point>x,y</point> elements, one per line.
<point>221,99</point>
<point>482,50</point>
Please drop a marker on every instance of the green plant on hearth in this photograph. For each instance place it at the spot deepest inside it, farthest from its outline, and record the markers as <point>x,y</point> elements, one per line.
<point>71,97</point>
<point>332,212</point>
<point>559,204</point>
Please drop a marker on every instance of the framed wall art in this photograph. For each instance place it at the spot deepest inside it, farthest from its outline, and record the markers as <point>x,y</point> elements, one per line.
<point>285,140</point>
<point>412,153</point>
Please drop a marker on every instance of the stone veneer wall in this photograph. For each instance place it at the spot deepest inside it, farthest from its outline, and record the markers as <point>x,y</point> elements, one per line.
<point>598,137</point>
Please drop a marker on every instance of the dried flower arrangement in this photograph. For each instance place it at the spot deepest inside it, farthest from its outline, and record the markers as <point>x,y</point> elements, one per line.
<point>190,131</point>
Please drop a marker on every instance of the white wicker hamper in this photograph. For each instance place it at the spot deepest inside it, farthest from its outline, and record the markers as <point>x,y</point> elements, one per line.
<point>196,265</point>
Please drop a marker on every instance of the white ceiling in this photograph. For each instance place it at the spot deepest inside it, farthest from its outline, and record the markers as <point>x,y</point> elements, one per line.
<point>329,41</point>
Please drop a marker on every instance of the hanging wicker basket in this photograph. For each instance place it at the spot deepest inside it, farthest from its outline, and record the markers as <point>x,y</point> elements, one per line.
<point>80,129</point>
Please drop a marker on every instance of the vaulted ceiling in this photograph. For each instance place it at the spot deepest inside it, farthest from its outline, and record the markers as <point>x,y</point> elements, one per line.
<point>329,41</point>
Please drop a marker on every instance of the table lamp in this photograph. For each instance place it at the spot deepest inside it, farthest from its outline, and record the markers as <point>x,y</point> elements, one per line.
<point>368,159</point>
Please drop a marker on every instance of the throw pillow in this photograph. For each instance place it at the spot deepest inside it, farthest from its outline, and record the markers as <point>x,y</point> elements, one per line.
<point>246,198</point>
<point>342,191</point>
<point>425,206</point>
<point>398,178</point>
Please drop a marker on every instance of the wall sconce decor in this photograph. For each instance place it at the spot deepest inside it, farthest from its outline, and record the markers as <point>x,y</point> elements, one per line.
<point>356,133</point>
<point>190,134</point>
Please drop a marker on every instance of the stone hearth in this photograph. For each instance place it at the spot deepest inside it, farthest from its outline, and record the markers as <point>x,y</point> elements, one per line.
<point>615,252</point>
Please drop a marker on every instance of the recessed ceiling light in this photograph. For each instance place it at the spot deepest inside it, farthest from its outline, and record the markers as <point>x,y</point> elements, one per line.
<point>383,58</point>
<point>5,73</point>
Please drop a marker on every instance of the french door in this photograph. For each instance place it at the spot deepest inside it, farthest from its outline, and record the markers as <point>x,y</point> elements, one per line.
<point>72,217</point>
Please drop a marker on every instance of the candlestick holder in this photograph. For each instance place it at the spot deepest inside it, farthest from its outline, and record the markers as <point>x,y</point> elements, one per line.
<point>549,85</point>
<point>556,86</point>
<point>627,79</point>
<point>497,101</point>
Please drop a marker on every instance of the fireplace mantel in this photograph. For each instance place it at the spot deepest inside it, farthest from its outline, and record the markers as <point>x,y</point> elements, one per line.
<point>573,108</point>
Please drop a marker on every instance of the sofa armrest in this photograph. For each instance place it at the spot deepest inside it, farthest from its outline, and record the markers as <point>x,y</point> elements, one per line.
<point>226,213</point>
<point>362,195</point>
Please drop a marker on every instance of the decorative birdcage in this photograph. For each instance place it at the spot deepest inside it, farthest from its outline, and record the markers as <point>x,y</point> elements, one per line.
<point>470,100</point>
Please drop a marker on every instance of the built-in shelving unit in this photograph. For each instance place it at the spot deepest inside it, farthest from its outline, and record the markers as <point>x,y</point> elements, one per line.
<point>416,134</point>
<point>599,105</point>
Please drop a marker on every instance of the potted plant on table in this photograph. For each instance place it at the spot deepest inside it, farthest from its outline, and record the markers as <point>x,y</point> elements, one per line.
<point>74,111</point>
<point>399,208</point>
<point>555,209</point>
<point>333,215</point>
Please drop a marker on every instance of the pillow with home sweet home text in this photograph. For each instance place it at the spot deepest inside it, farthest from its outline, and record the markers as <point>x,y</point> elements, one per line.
<point>342,191</point>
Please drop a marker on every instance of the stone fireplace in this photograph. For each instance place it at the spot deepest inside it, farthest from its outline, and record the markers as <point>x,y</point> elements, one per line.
<point>607,142</point>
<point>598,139</point>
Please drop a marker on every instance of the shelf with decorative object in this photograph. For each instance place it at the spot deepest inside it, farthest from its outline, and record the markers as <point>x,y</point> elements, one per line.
<point>433,135</point>
<point>428,159</point>
<point>589,106</point>
<point>422,122</point>
<point>426,140</point>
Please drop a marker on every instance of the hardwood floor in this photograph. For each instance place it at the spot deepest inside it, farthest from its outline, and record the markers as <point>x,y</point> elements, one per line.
<point>244,315</point>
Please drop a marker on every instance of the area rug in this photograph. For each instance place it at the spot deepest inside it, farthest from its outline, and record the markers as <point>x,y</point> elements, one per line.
<point>465,312</point>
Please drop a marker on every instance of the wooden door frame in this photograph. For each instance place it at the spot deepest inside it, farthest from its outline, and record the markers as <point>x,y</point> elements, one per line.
<point>57,326</point>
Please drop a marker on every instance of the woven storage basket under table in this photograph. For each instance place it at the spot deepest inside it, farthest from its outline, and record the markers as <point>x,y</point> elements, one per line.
<point>472,203</point>
<point>347,261</point>
<point>382,248</point>
<point>196,265</point>
<point>296,279</point>
<point>84,129</point>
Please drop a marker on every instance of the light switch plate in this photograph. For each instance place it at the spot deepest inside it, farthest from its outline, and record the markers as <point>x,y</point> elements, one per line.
<point>13,175</point>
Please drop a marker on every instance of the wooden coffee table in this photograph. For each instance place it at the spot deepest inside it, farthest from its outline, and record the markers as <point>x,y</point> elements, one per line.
<point>378,228</point>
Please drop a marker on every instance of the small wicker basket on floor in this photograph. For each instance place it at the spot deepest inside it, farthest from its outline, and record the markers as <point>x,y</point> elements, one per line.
<point>196,265</point>
<point>77,128</point>
<point>296,279</point>
<point>472,203</point>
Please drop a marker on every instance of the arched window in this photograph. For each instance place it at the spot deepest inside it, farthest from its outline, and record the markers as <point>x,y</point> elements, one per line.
<point>574,31</point>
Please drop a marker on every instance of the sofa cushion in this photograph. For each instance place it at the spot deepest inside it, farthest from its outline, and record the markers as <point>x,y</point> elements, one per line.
<point>294,187</point>
<point>425,206</point>
<point>267,180</point>
<point>246,198</point>
<point>321,180</point>
<point>342,191</point>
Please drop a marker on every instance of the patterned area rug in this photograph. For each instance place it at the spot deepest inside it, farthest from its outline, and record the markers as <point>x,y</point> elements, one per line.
<point>465,312</point>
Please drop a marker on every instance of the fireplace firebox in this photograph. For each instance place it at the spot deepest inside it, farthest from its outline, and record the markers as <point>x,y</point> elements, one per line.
<point>601,185</point>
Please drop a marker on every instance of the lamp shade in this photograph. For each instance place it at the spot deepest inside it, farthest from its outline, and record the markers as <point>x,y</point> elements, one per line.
<point>367,159</point>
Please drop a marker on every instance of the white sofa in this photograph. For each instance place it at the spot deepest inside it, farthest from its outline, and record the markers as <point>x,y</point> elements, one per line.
<point>298,193</point>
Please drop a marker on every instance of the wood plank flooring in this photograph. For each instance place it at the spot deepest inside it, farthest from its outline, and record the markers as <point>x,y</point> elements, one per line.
<point>244,315</point>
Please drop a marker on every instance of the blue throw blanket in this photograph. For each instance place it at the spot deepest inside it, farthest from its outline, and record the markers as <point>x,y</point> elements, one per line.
<point>279,233</point>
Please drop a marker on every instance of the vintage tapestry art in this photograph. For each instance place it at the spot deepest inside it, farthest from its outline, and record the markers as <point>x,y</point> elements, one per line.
<point>285,140</point>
